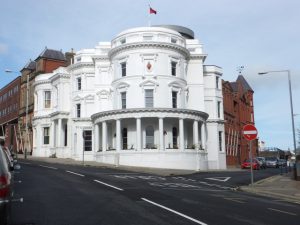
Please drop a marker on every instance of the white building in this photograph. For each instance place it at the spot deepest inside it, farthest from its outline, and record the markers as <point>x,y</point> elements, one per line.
<point>144,99</point>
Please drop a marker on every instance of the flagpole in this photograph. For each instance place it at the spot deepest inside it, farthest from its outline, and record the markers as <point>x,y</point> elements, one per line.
<point>149,14</point>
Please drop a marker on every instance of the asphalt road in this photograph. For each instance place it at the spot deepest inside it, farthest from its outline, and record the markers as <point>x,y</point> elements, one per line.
<point>56,194</point>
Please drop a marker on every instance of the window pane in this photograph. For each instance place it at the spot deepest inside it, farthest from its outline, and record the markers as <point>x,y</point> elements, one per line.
<point>79,83</point>
<point>78,110</point>
<point>174,99</point>
<point>220,141</point>
<point>149,98</point>
<point>173,68</point>
<point>123,69</point>
<point>47,99</point>
<point>46,135</point>
<point>123,100</point>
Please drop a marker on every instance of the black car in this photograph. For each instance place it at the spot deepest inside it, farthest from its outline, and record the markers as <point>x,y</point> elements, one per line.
<point>5,188</point>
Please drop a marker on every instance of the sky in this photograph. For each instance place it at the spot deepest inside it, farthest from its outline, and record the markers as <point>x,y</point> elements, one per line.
<point>261,35</point>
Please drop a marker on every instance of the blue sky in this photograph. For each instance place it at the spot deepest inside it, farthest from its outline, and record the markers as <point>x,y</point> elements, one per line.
<point>257,34</point>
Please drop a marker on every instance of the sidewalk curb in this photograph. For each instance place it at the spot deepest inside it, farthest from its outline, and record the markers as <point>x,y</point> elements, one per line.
<point>270,194</point>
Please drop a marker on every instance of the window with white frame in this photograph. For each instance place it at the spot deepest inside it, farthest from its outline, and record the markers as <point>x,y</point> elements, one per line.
<point>46,135</point>
<point>217,82</point>
<point>149,98</point>
<point>47,97</point>
<point>123,100</point>
<point>78,110</point>
<point>173,68</point>
<point>78,81</point>
<point>219,109</point>
<point>220,141</point>
<point>123,69</point>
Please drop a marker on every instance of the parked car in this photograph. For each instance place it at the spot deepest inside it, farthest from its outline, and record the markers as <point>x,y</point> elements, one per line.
<point>282,162</point>
<point>262,162</point>
<point>5,188</point>
<point>247,164</point>
<point>272,162</point>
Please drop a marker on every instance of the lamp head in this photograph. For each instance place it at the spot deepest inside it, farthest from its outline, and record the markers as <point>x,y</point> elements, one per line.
<point>262,73</point>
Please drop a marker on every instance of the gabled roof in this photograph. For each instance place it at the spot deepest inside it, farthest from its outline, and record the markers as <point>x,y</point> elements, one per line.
<point>52,54</point>
<point>31,65</point>
<point>244,83</point>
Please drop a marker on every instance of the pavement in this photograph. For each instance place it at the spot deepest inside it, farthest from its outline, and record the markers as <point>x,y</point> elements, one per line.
<point>283,187</point>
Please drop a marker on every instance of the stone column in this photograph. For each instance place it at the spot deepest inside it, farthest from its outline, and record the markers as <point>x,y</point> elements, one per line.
<point>52,137</point>
<point>203,135</point>
<point>118,135</point>
<point>59,133</point>
<point>138,134</point>
<point>181,134</point>
<point>196,135</point>
<point>96,137</point>
<point>104,136</point>
<point>161,134</point>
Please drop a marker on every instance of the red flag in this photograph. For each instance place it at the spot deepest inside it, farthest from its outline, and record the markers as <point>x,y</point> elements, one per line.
<point>152,11</point>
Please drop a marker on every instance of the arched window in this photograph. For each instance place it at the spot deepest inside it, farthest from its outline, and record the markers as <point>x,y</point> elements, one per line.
<point>149,137</point>
<point>124,137</point>
<point>174,137</point>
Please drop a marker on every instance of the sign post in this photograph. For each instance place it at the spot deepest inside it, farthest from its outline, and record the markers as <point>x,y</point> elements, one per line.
<point>250,133</point>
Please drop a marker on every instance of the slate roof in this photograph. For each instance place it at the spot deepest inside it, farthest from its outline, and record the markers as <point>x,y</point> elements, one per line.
<point>244,83</point>
<point>31,65</point>
<point>52,54</point>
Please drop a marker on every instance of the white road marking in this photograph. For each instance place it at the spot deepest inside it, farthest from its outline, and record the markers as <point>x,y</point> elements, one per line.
<point>49,167</point>
<point>238,200</point>
<point>222,179</point>
<point>277,210</point>
<point>100,182</point>
<point>78,174</point>
<point>173,211</point>
<point>139,177</point>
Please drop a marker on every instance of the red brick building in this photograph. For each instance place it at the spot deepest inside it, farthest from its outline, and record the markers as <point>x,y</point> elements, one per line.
<point>9,113</point>
<point>238,111</point>
<point>46,62</point>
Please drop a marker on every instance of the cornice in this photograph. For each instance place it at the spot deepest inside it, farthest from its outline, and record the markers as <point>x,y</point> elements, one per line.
<point>145,112</point>
<point>82,119</point>
<point>60,75</point>
<point>198,56</point>
<point>41,82</point>
<point>216,121</point>
<point>57,113</point>
<point>158,45</point>
<point>80,65</point>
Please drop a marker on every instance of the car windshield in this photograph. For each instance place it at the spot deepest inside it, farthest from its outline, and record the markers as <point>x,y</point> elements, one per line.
<point>248,160</point>
<point>271,158</point>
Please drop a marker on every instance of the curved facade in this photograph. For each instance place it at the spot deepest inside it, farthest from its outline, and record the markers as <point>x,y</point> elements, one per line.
<point>143,99</point>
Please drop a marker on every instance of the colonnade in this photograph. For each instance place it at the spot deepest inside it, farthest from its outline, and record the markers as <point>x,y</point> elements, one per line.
<point>104,134</point>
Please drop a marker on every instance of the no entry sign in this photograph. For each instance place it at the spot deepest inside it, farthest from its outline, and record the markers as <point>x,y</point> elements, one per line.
<point>249,132</point>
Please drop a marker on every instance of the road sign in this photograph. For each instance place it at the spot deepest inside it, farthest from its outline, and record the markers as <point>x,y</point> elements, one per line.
<point>249,132</point>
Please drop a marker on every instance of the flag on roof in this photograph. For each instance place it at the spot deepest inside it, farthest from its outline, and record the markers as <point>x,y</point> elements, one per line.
<point>152,11</point>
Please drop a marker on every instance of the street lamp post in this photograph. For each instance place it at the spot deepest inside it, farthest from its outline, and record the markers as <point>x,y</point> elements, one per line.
<point>26,117</point>
<point>291,99</point>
